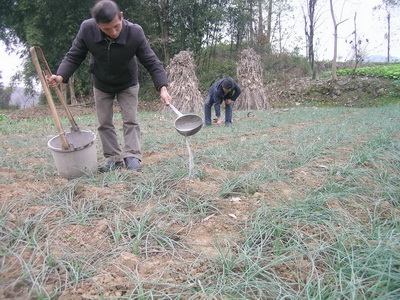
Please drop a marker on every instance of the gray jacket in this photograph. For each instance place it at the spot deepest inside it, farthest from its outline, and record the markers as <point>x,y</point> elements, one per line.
<point>113,63</point>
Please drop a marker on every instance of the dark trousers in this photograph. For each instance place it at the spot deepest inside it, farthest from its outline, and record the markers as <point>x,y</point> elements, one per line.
<point>207,112</point>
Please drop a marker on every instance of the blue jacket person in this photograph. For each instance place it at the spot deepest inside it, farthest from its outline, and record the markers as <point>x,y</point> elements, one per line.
<point>225,89</point>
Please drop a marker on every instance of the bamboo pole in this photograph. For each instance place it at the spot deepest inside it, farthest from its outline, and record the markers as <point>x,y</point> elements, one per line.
<point>59,94</point>
<point>49,98</point>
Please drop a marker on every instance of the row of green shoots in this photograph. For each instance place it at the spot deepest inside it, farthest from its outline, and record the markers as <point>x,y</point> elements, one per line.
<point>391,71</point>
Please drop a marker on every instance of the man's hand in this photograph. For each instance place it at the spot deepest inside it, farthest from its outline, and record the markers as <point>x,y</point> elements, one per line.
<point>220,121</point>
<point>164,96</point>
<point>54,80</point>
<point>228,101</point>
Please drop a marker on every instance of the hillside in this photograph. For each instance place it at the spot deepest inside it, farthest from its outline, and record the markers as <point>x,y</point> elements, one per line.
<point>348,91</point>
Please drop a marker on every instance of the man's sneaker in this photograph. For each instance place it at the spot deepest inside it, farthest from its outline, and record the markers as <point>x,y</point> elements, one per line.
<point>132,163</point>
<point>110,165</point>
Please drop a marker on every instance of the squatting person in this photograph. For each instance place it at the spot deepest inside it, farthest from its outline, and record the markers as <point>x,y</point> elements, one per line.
<point>225,89</point>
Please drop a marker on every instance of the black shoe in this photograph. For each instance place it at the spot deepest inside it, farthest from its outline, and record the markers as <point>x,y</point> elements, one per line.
<point>132,163</point>
<point>110,165</point>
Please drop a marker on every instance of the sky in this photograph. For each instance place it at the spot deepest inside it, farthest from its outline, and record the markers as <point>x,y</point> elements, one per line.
<point>371,25</point>
<point>9,65</point>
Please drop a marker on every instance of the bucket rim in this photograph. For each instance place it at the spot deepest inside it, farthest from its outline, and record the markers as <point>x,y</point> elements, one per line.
<point>74,148</point>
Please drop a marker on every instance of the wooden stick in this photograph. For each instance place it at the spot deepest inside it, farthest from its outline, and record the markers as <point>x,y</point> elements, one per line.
<point>49,98</point>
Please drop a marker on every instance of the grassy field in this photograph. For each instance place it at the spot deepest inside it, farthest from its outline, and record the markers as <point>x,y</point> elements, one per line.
<point>298,203</point>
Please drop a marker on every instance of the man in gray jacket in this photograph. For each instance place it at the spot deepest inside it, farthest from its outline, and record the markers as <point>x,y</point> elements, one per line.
<point>115,44</point>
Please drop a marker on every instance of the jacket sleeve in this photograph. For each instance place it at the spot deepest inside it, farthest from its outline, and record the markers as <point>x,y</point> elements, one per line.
<point>150,61</point>
<point>74,57</point>
<point>237,90</point>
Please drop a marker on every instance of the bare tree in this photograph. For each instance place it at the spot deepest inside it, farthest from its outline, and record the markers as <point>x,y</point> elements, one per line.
<point>388,5</point>
<point>388,37</point>
<point>264,32</point>
<point>309,29</point>
<point>261,38</point>
<point>283,11</point>
<point>269,27</point>
<point>356,44</point>
<point>164,22</point>
<point>335,37</point>
<point>251,12</point>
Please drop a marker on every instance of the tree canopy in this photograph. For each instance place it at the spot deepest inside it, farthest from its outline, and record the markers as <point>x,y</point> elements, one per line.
<point>171,26</point>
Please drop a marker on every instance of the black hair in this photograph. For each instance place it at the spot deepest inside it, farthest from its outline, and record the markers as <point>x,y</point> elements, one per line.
<point>105,11</point>
<point>227,84</point>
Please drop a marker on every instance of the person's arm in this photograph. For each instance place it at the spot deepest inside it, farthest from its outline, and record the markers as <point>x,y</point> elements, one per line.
<point>237,90</point>
<point>217,97</point>
<point>71,62</point>
<point>153,65</point>
<point>217,107</point>
<point>74,57</point>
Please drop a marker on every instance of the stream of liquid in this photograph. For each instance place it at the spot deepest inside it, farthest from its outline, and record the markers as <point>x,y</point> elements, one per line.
<point>191,163</point>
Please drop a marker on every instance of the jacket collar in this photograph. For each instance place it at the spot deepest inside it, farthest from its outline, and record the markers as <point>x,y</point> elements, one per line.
<point>99,35</point>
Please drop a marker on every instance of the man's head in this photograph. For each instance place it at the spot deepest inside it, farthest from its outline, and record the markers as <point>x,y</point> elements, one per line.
<point>109,17</point>
<point>227,85</point>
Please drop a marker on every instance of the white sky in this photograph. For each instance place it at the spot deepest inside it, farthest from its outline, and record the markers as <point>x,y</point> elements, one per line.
<point>9,65</point>
<point>370,25</point>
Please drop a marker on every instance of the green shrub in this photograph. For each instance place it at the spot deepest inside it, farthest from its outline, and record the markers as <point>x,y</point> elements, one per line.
<point>389,71</point>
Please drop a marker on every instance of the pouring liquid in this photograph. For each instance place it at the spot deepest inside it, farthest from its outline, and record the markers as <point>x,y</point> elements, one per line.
<point>191,162</point>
